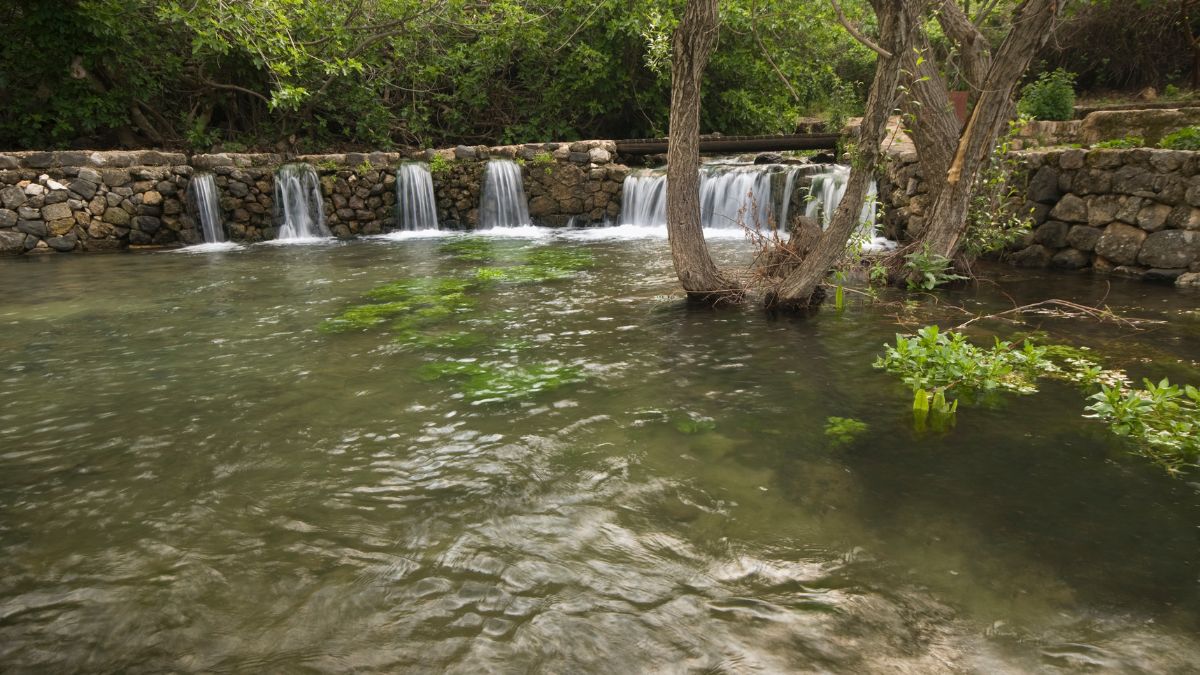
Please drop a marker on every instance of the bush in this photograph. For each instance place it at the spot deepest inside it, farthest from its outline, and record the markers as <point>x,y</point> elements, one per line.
<point>1050,97</point>
<point>1184,139</point>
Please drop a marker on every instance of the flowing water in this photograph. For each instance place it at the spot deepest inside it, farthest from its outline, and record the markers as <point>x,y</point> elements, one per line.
<point>299,209</point>
<point>195,477</point>
<point>416,206</point>
<point>503,203</point>
<point>206,200</point>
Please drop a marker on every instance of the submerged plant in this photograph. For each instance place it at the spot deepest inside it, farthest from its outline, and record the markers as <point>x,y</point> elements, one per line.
<point>694,424</point>
<point>843,430</point>
<point>494,383</point>
<point>408,304</point>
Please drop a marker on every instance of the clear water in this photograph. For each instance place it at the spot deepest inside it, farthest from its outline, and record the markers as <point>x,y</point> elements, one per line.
<point>194,478</point>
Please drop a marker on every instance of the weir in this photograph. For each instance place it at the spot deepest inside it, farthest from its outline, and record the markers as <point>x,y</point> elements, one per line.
<point>416,206</point>
<point>299,209</point>
<point>757,195</point>
<point>205,201</point>
<point>503,203</point>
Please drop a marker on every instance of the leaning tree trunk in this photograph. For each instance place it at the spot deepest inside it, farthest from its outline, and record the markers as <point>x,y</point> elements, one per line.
<point>947,215</point>
<point>898,22</point>
<point>693,42</point>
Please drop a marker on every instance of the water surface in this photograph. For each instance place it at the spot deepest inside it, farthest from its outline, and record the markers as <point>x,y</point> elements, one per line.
<point>193,477</point>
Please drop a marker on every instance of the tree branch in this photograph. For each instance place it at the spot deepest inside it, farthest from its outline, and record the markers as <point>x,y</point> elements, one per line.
<point>857,34</point>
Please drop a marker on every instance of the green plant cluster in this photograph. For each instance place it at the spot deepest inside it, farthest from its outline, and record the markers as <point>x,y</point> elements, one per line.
<point>928,270</point>
<point>1187,138</point>
<point>997,215</point>
<point>1050,97</point>
<point>944,368</point>
<point>843,430</point>
<point>1125,143</point>
<point>1163,419</point>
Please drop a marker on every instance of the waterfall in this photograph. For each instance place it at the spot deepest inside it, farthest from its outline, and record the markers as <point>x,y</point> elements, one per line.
<point>826,193</point>
<point>503,203</point>
<point>299,209</point>
<point>203,189</point>
<point>730,195</point>
<point>416,207</point>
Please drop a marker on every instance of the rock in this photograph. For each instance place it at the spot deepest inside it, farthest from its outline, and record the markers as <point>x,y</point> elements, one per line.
<point>1120,243</point>
<point>115,177</point>
<point>464,152</point>
<point>8,218</point>
<point>1130,271</point>
<point>1072,159</point>
<point>61,226</point>
<point>154,198</point>
<point>1158,274</point>
<point>118,217</point>
<point>1170,249</point>
<point>1070,259</point>
<point>12,197</point>
<point>56,211</point>
<point>33,190</point>
<point>1189,280</point>
<point>1071,209</point>
<point>769,158</point>
<point>1043,187</point>
<point>1129,210</point>
<point>1103,265</point>
<point>541,206</point>
<point>1103,210</point>
<point>62,244</point>
<point>1184,217</point>
<point>1052,234</point>
<point>35,227</point>
<point>1153,217</point>
<point>1131,179</point>
<point>579,157</point>
<point>599,156</point>
<point>11,243</point>
<point>29,213</point>
<point>1083,237</point>
<point>1035,256</point>
<point>89,175</point>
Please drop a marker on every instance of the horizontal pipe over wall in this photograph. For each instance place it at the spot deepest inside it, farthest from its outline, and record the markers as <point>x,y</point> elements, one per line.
<point>715,144</point>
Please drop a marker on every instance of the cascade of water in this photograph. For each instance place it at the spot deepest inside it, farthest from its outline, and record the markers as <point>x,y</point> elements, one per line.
<point>786,205</point>
<point>203,189</point>
<point>729,195</point>
<point>827,191</point>
<point>299,209</point>
<point>503,203</point>
<point>416,207</point>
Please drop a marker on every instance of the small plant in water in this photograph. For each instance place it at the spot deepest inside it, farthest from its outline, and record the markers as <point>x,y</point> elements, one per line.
<point>694,424</point>
<point>930,270</point>
<point>843,430</point>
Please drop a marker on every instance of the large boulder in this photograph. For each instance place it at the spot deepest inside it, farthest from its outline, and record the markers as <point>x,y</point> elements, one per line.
<point>1035,256</point>
<point>1153,217</point>
<point>1043,187</point>
<point>1052,234</point>
<point>1171,249</point>
<point>1121,243</point>
<point>11,243</point>
<point>1070,209</point>
<point>1152,125</point>
<point>1083,238</point>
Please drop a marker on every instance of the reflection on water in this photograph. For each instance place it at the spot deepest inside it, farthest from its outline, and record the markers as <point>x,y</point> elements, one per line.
<point>193,477</point>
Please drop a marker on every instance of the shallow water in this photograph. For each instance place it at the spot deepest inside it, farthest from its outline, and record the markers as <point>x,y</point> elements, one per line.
<point>193,477</point>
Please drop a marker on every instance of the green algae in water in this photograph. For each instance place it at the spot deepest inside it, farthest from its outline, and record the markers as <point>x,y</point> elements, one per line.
<point>542,265</point>
<point>491,383</point>
<point>409,304</point>
<point>843,430</point>
<point>695,424</point>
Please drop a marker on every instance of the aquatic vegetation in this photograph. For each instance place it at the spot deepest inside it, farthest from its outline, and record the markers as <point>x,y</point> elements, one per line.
<point>408,304</point>
<point>494,383</point>
<point>1163,420</point>
<point>694,424</point>
<point>543,264</point>
<point>929,270</point>
<point>470,249</point>
<point>936,360</point>
<point>843,430</point>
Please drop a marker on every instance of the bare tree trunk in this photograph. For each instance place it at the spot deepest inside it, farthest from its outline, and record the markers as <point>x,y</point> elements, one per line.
<point>693,43</point>
<point>947,216</point>
<point>898,23</point>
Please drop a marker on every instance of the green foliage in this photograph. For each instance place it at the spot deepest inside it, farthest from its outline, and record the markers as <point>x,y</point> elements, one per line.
<point>405,71</point>
<point>843,430</point>
<point>1125,143</point>
<point>1050,97</point>
<point>1163,420</point>
<point>365,167</point>
<point>439,166</point>
<point>327,165</point>
<point>1185,139</point>
<point>545,161</point>
<point>994,216</point>
<point>928,270</point>
<point>936,360</point>
<point>1171,91</point>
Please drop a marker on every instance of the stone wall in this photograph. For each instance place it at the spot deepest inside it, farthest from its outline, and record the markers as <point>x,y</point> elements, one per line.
<point>76,201</point>
<point>68,201</point>
<point>1129,212</point>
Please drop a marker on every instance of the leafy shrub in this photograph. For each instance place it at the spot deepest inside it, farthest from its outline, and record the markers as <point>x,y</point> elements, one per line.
<point>439,165</point>
<point>1050,97</point>
<point>1184,139</point>
<point>994,216</point>
<point>1125,143</point>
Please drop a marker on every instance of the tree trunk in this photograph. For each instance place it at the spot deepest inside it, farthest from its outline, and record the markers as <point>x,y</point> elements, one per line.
<point>693,43</point>
<point>947,215</point>
<point>898,24</point>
